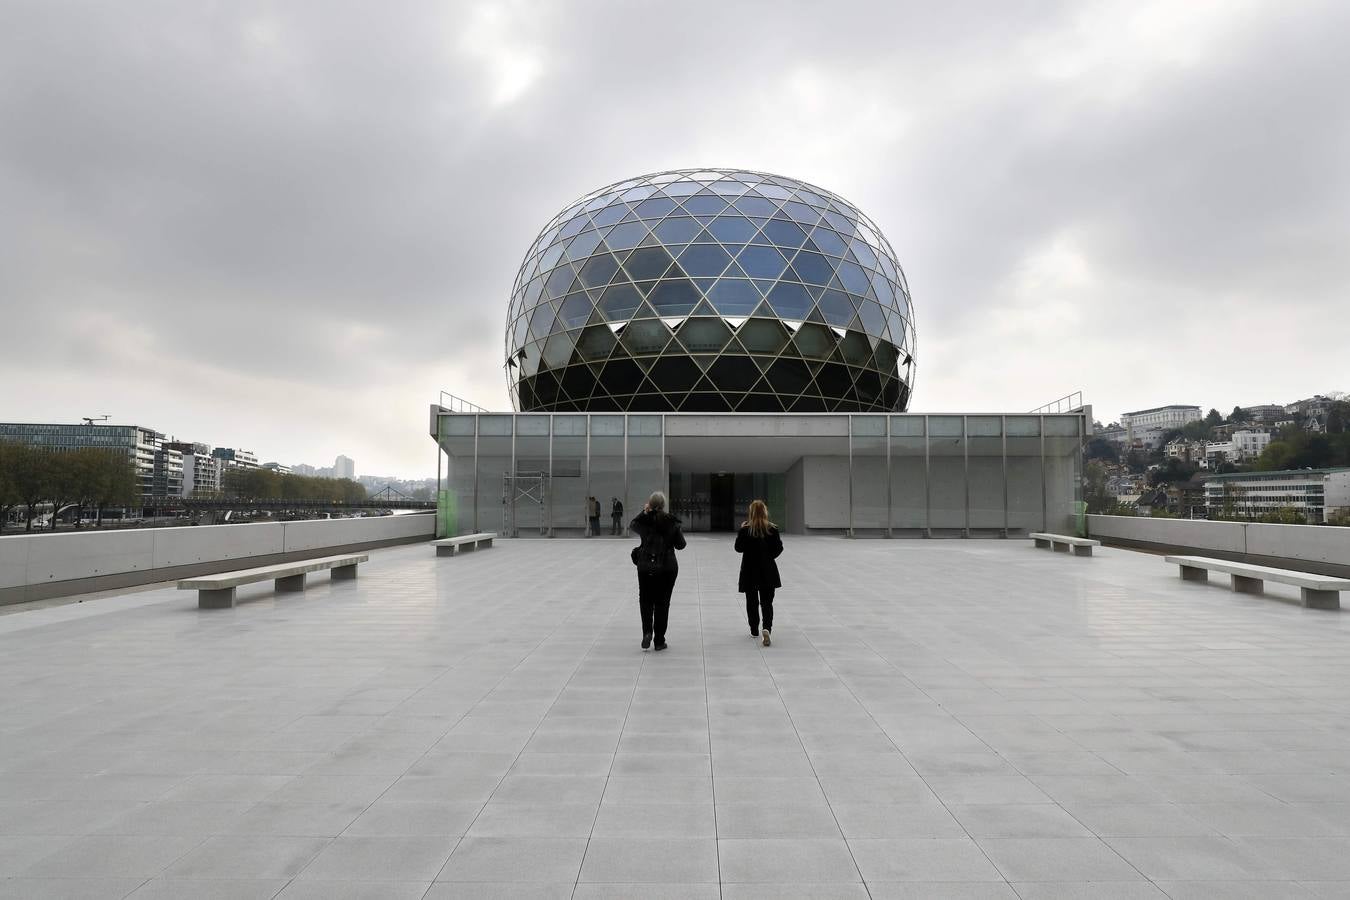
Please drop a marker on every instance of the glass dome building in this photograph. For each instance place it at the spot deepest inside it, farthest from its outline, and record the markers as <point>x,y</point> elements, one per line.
<point>710,290</point>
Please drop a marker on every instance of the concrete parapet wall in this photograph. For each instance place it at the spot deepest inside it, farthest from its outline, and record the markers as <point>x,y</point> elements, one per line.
<point>39,566</point>
<point>1309,548</point>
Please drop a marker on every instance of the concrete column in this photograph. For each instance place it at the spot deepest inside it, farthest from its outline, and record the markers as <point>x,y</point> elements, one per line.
<point>290,584</point>
<point>221,598</point>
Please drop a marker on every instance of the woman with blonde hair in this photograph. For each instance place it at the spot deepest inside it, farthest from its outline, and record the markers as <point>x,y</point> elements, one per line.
<point>759,544</point>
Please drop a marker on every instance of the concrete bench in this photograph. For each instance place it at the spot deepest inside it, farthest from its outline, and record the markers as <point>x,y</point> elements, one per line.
<point>451,546</point>
<point>217,591</point>
<point>1062,543</point>
<point>1317,591</point>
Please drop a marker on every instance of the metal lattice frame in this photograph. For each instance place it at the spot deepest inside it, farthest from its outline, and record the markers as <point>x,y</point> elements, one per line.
<point>711,290</point>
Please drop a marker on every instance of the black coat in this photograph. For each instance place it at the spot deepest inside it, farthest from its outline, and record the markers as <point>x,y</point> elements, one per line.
<point>758,569</point>
<point>668,526</point>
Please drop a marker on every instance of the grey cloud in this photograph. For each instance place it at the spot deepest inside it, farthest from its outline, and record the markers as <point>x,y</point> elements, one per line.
<point>326,197</point>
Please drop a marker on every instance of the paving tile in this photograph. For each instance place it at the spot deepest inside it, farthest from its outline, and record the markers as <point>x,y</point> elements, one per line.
<point>247,856</point>
<point>508,819</point>
<point>515,859</point>
<point>381,859</point>
<point>1057,859</point>
<point>790,860</point>
<point>656,820</point>
<point>113,856</point>
<point>76,888</point>
<point>392,818</point>
<point>211,889</point>
<point>912,859</point>
<point>653,861</point>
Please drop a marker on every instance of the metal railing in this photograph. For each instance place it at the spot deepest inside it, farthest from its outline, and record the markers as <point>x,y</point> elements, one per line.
<point>459,404</point>
<point>1067,403</point>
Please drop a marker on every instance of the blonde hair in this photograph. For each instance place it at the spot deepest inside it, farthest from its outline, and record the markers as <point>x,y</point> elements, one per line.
<point>657,501</point>
<point>758,520</point>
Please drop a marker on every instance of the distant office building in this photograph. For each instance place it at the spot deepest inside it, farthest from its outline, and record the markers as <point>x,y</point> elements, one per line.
<point>233,458</point>
<point>1317,493</point>
<point>303,469</point>
<point>344,467</point>
<point>201,470</point>
<point>277,467</point>
<point>167,474</point>
<point>138,443</point>
<point>1311,414</point>
<point>1266,413</point>
<point>1147,426</point>
<point>1113,434</point>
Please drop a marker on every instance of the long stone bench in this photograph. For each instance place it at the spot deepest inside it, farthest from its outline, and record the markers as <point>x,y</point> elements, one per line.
<point>451,546</point>
<point>217,591</point>
<point>1317,591</point>
<point>1063,543</point>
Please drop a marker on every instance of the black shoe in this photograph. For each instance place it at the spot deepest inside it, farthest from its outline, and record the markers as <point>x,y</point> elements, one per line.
<point>754,632</point>
<point>646,640</point>
<point>660,645</point>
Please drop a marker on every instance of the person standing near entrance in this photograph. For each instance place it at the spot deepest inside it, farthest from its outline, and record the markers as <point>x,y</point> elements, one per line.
<point>586,516</point>
<point>593,511</point>
<point>616,515</point>
<point>759,544</point>
<point>657,568</point>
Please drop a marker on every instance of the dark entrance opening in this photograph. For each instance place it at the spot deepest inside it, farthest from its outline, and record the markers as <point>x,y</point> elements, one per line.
<point>722,502</point>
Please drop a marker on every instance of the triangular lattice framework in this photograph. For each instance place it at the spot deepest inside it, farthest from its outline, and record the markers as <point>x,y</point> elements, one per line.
<point>711,290</point>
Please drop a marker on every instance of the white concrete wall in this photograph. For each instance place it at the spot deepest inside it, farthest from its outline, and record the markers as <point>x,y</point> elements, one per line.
<point>43,559</point>
<point>794,486</point>
<point>1306,543</point>
<point>825,494</point>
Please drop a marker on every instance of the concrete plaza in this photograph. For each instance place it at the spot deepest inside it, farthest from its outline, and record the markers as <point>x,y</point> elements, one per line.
<point>935,719</point>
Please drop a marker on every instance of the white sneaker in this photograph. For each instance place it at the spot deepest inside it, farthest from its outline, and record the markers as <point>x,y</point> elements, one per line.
<point>766,637</point>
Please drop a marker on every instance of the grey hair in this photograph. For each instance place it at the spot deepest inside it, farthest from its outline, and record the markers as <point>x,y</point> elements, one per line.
<point>657,501</point>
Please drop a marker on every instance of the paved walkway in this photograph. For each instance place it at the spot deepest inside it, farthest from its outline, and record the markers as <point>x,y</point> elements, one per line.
<point>936,719</point>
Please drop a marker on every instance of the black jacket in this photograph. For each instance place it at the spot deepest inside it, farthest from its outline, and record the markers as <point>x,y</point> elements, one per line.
<point>758,569</point>
<point>668,526</point>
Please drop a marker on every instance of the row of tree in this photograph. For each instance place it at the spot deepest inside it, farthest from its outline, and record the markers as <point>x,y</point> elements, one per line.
<point>88,478</point>
<point>264,484</point>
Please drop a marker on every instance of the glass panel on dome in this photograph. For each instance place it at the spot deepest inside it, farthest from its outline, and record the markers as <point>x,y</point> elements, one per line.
<point>801,213</point>
<point>645,336</point>
<point>558,350</point>
<point>784,234</point>
<point>811,198</point>
<point>836,308</point>
<point>733,374</point>
<point>572,227</point>
<point>595,343</point>
<point>682,188</point>
<point>704,260</point>
<point>678,229</point>
<point>532,293</point>
<point>655,208</point>
<point>582,246</point>
<point>882,287</point>
<point>863,253</point>
<point>814,341</point>
<point>642,192</point>
<point>518,335</point>
<point>609,215</point>
<point>620,301</point>
<point>625,236</point>
<point>812,267</point>
<point>885,358</point>
<point>598,270</point>
<point>789,376</point>
<point>575,310</point>
<point>762,262</point>
<point>728,187</point>
<point>674,374</point>
<point>703,334</point>
<point>828,241</point>
<point>790,300</point>
<point>842,224</point>
<point>704,205</point>
<point>763,335</point>
<point>756,206</point>
<point>734,297</point>
<point>855,348</point>
<point>873,319</point>
<point>731,229</point>
<point>647,263</point>
<point>774,191</point>
<point>674,297</point>
<point>550,257</point>
<point>542,319</point>
<point>853,278</point>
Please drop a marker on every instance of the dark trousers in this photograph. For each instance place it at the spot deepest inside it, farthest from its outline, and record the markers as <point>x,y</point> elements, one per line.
<point>618,525</point>
<point>654,600</point>
<point>755,600</point>
<point>595,526</point>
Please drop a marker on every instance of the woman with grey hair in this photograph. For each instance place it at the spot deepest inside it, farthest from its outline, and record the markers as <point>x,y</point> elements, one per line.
<point>657,568</point>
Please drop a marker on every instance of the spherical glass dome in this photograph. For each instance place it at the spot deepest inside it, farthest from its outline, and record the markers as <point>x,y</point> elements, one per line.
<point>710,290</point>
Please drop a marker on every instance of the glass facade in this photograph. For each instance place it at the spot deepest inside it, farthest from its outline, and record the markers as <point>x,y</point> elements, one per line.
<point>936,475</point>
<point>710,291</point>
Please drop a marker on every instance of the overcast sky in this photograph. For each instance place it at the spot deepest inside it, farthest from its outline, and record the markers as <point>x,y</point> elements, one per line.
<point>287,226</point>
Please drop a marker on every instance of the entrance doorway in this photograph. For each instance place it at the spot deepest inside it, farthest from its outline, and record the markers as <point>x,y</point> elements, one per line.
<point>722,505</point>
<point>720,501</point>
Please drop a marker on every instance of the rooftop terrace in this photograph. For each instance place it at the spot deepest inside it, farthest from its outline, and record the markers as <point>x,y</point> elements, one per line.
<point>936,719</point>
